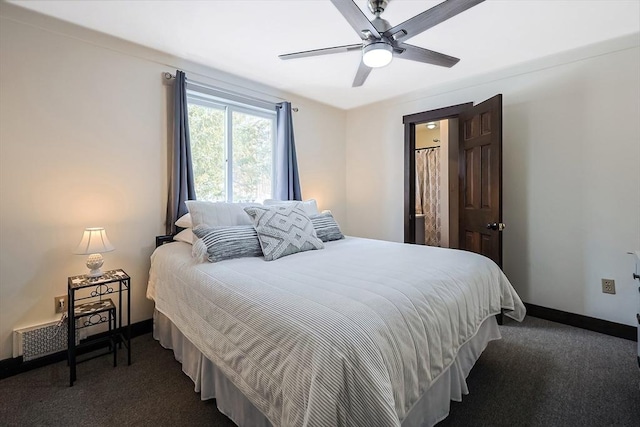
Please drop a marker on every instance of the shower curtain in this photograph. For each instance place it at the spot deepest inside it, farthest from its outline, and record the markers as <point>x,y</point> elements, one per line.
<point>428,193</point>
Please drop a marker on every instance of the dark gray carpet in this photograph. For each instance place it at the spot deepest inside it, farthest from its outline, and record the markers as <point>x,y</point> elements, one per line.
<point>547,374</point>
<point>540,374</point>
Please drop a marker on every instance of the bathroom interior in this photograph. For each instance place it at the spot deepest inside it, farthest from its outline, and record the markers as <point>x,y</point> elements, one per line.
<point>432,183</point>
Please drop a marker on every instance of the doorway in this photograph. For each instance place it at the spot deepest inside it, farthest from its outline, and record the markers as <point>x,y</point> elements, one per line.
<point>474,174</point>
<point>432,183</point>
<point>411,124</point>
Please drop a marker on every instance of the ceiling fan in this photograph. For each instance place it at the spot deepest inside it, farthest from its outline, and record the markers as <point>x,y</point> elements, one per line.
<point>381,41</point>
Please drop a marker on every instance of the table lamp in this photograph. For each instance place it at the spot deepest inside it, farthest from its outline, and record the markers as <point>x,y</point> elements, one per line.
<point>94,242</point>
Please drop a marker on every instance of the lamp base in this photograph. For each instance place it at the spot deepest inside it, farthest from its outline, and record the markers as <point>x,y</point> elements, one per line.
<point>94,262</point>
<point>95,273</point>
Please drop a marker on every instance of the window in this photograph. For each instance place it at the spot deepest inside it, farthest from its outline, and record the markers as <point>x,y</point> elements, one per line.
<point>232,147</point>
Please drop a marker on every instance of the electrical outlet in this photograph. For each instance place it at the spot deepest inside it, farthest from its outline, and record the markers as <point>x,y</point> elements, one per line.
<point>60,303</point>
<point>608,286</point>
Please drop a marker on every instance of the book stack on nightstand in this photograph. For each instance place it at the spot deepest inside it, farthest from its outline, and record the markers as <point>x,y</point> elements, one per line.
<point>89,305</point>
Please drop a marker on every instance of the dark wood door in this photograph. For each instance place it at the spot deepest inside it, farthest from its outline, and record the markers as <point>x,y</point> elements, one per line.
<point>480,179</point>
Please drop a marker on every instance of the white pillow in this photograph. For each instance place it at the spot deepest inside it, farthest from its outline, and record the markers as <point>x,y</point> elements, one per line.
<point>219,214</point>
<point>310,206</point>
<point>186,236</point>
<point>184,221</point>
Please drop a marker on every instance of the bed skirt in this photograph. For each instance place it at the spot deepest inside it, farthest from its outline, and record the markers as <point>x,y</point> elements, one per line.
<point>211,383</point>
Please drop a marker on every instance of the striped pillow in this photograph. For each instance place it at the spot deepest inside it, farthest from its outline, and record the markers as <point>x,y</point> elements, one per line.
<point>220,243</point>
<point>326,227</point>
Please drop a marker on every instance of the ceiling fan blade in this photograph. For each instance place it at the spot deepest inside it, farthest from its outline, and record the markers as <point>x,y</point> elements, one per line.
<point>429,18</point>
<point>361,75</point>
<point>415,53</point>
<point>318,52</point>
<point>355,18</point>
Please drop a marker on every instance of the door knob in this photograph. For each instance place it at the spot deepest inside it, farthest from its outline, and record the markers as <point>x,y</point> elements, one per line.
<point>496,226</point>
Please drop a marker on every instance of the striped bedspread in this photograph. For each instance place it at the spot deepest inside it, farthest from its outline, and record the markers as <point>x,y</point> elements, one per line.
<point>350,335</point>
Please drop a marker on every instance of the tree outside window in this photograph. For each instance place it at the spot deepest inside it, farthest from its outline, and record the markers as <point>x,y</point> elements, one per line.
<point>232,151</point>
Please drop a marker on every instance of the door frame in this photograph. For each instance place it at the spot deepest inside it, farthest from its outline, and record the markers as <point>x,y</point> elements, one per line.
<point>410,121</point>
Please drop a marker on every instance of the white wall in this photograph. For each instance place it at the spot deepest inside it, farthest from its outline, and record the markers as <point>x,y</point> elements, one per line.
<point>83,142</point>
<point>571,176</point>
<point>425,137</point>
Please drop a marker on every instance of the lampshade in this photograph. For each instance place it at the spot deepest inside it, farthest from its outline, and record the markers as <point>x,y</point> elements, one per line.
<point>377,54</point>
<point>94,242</point>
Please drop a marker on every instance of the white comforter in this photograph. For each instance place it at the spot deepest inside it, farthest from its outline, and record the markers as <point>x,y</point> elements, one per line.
<point>349,335</point>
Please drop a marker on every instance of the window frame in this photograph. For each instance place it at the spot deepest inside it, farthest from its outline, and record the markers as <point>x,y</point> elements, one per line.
<point>229,106</point>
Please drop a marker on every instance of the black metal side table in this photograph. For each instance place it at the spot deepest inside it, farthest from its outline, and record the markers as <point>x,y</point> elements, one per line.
<point>88,306</point>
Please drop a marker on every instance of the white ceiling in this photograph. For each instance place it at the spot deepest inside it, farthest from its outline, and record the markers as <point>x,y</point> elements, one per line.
<point>245,37</point>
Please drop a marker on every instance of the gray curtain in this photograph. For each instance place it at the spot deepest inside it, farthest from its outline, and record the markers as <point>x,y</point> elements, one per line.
<point>428,194</point>
<point>287,180</point>
<point>181,185</point>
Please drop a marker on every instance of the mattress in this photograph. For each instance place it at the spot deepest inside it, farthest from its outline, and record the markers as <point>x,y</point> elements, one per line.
<point>350,335</point>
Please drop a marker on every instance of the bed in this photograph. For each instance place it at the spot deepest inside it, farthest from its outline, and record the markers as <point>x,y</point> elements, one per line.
<point>361,333</point>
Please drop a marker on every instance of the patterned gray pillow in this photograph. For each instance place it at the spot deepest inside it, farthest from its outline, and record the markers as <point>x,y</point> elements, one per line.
<point>326,227</point>
<point>283,230</point>
<point>220,243</point>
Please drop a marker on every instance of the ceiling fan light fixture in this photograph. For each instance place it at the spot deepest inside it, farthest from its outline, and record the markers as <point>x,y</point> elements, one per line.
<point>381,41</point>
<point>377,54</point>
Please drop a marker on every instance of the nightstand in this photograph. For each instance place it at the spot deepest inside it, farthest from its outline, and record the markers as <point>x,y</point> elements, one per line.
<point>89,306</point>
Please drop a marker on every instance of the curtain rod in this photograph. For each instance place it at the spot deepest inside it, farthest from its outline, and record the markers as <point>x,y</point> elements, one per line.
<point>168,76</point>
<point>426,148</point>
